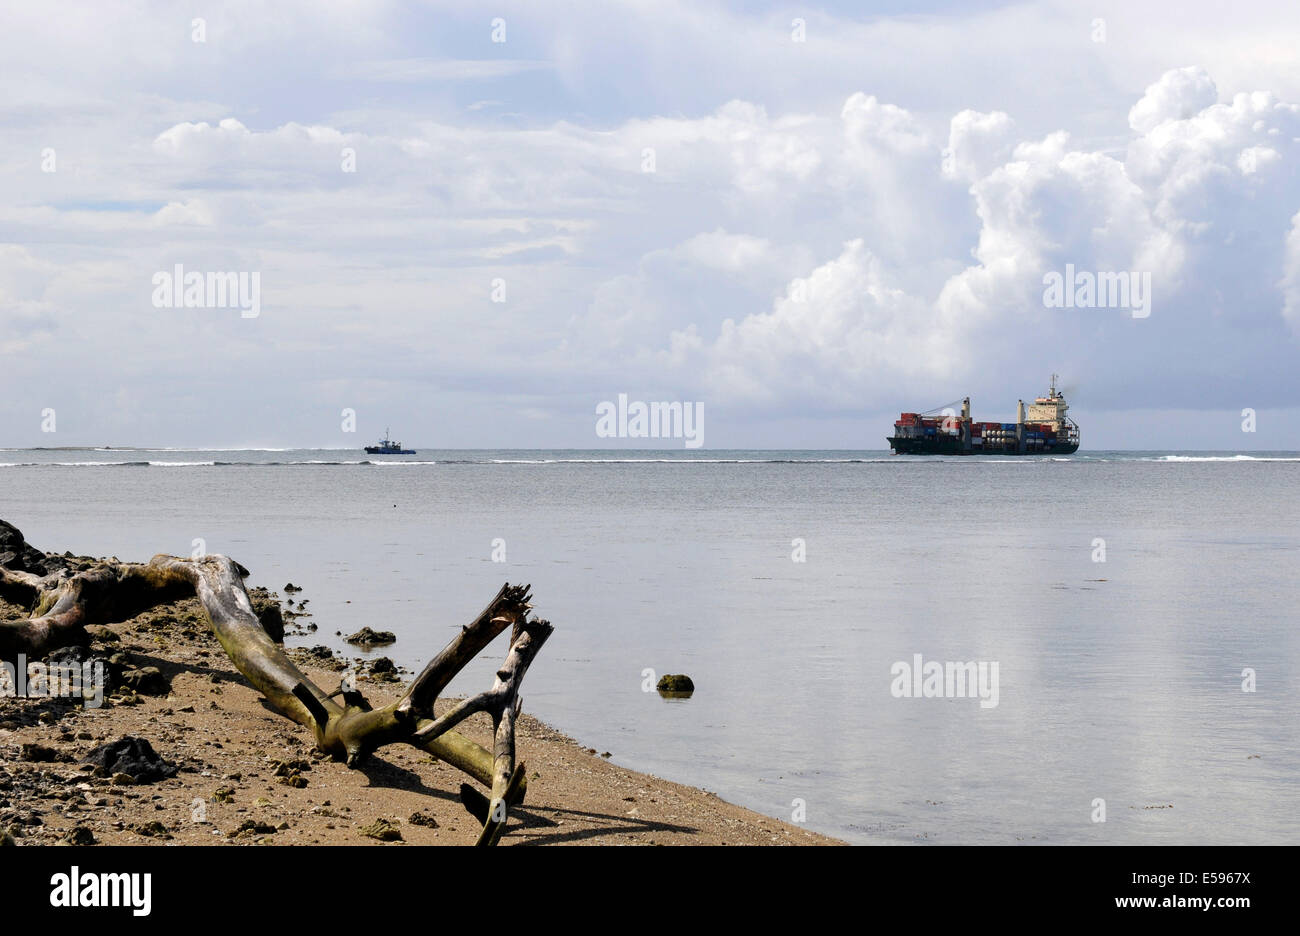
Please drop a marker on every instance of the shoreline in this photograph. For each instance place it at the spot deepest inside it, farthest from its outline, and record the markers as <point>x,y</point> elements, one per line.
<point>244,767</point>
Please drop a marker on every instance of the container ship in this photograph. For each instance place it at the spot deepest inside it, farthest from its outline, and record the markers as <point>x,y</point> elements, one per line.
<point>1042,428</point>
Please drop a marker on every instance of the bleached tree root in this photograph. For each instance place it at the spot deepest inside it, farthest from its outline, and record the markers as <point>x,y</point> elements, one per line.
<point>349,729</point>
<point>64,604</point>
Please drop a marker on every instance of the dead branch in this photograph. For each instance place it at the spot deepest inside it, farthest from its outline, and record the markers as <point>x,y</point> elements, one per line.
<point>64,603</point>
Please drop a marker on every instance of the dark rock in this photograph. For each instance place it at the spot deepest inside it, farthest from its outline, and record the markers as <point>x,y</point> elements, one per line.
<point>383,670</point>
<point>420,819</point>
<point>79,835</point>
<point>675,683</point>
<point>252,827</point>
<point>268,613</point>
<point>16,554</point>
<point>368,638</point>
<point>147,680</point>
<point>317,656</point>
<point>383,830</point>
<point>133,756</point>
<point>152,829</point>
<point>40,753</point>
<point>290,767</point>
<point>290,588</point>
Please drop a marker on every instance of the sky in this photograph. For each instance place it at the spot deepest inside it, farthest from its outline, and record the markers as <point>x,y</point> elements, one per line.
<point>474,223</point>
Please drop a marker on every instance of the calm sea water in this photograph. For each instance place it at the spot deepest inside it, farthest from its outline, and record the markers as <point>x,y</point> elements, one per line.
<point>1119,680</point>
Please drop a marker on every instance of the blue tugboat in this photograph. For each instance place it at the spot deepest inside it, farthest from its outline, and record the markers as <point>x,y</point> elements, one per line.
<point>387,446</point>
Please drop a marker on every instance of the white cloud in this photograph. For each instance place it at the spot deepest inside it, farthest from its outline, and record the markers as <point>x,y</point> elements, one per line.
<point>732,253</point>
<point>842,324</point>
<point>977,143</point>
<point>1042,204</point>
<point>1179,94</point>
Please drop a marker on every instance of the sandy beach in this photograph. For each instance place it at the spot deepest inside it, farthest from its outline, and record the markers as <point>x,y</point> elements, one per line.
<point>247,775</point>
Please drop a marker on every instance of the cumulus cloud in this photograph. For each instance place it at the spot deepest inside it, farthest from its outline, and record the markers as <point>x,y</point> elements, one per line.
<point>841,323</point>
<point>977,143</point>
<point>1196,186</point>
<point>1179,94</point>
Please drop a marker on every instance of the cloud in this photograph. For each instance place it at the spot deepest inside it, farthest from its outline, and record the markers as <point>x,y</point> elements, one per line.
<point>843,323</point>
<point>732,253</point>
<point>977,143</point>
<point>1179,94</point>
<point>1191,203</point>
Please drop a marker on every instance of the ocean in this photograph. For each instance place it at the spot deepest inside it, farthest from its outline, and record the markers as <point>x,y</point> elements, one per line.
<point>1137,608</point>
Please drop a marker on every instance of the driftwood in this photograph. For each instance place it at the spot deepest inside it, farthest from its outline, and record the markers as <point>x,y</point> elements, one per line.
<point>64,603</point>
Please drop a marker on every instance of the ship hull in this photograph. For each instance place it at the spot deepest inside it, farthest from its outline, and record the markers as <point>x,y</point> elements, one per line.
<point>951,445</point>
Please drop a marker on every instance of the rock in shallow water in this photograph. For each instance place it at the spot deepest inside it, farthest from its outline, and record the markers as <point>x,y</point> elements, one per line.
<point>367,637</point>
<point>268,611</point>
<point>678,682</point>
